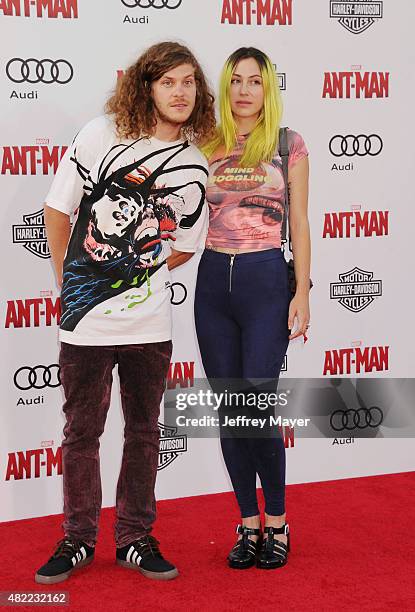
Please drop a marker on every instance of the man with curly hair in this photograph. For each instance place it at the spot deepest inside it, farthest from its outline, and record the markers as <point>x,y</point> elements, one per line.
<point>135,183</point>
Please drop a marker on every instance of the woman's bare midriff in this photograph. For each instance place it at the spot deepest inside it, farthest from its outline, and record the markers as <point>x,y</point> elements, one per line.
<point>230,251</point>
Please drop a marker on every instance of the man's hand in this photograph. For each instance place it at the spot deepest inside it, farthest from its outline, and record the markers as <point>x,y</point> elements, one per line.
<point>58,231</point>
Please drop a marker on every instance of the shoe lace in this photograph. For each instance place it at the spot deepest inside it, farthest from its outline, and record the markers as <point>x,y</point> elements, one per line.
<point>66,548</point>
<point>148,545</point>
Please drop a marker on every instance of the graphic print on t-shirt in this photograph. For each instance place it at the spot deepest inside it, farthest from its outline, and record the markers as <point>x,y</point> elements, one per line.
<point>246,204</point>
<point>126,215</point>
<point>250,196</point>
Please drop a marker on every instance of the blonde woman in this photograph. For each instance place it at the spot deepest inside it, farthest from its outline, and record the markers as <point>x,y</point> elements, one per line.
<point>245,313</point>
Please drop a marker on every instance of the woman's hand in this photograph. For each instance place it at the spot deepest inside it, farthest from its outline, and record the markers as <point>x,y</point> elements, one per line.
<point>300,310</point>
<point>300,237</point>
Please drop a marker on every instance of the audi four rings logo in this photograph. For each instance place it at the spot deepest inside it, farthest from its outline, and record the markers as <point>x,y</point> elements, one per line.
<point>38,377</point>
<point>39,71</point>
<point>157,4</point>
<point>360,419</point>
<point>178,294</point>
<point>360,145</point>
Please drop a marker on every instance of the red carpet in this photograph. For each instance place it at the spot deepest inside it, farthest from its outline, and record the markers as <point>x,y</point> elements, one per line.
<point>352,549</point>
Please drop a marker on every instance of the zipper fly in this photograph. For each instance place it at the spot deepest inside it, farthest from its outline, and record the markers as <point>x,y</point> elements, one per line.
<point>230,272</point>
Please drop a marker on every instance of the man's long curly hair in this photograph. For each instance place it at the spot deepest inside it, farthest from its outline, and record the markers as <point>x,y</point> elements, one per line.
<point>132,107</point>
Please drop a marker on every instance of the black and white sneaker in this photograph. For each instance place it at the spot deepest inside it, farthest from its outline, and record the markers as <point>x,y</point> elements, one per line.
<point>144,556</point>
<point>68,556</point>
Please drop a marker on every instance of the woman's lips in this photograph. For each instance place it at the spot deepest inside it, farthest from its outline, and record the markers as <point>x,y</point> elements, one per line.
<point>262,202</point>
<point>272,210</point>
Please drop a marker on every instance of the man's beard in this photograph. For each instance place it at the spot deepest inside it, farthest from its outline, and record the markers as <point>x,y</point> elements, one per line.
<point>165,119</point>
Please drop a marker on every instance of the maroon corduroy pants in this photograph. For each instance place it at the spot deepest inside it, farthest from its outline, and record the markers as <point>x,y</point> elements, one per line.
<point>86,374</point>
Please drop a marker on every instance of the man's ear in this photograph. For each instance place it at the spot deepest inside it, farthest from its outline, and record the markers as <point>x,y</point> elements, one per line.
<point>148,86</point>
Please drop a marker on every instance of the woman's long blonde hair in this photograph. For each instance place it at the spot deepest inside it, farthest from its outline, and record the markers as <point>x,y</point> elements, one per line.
<point>261,145</point>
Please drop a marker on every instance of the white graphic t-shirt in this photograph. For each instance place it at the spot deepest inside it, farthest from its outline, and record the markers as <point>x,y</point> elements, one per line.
<point>132,200</point>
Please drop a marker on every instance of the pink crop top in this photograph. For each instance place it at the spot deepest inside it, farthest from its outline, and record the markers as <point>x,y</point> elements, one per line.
<point>246,205</point>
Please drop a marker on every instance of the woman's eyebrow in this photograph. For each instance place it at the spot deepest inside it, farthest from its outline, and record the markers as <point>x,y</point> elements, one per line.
<point>235,74</point>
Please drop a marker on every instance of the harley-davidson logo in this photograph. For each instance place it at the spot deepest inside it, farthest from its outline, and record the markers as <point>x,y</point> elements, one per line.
<point>171,445</point>
<point>356,289</point>
<point>33,234</point>
<point>356,15</point>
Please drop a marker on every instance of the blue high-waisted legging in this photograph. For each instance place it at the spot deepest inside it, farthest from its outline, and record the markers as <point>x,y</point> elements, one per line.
<point>241,312</point>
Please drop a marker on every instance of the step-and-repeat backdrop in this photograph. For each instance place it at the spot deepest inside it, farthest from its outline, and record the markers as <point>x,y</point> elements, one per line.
<point>345,69</point>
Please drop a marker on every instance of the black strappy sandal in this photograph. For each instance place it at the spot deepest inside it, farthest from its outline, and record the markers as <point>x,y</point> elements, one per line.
<point>244,553</point>
<point>274,553</point>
